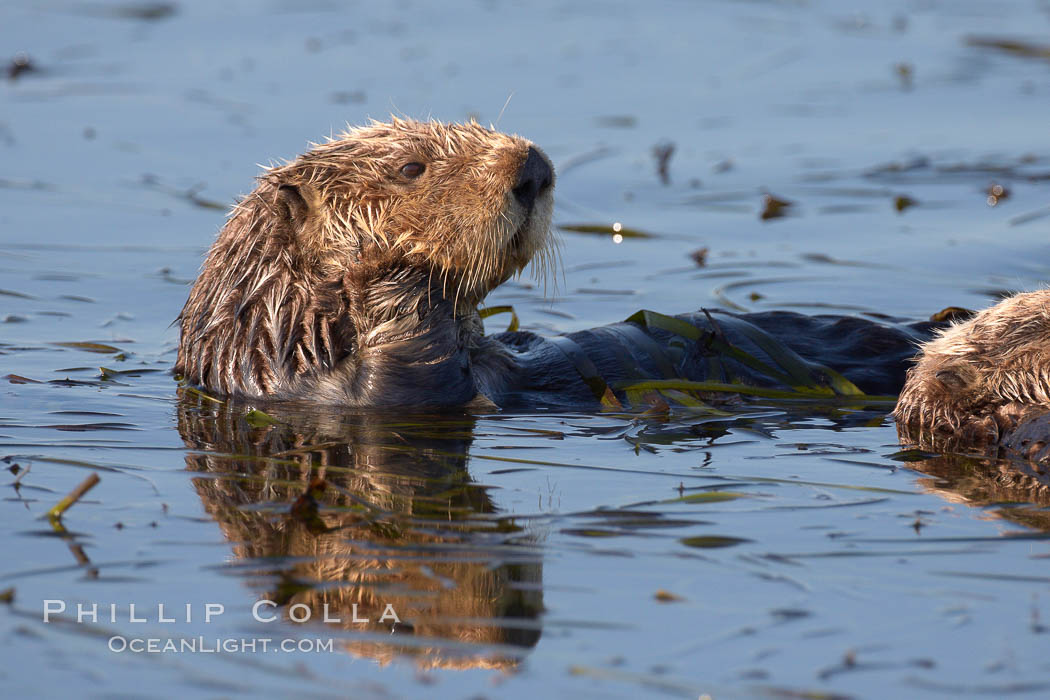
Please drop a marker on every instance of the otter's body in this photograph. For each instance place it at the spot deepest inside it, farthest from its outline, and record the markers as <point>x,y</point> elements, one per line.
<point>352,275</point>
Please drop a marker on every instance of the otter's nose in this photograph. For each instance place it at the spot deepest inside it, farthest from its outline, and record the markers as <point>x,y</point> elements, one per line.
<point>534,178</point>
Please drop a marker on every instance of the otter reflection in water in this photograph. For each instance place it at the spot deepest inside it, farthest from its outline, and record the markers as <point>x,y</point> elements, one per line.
<point>398,522</point>
<point>1016,491</point>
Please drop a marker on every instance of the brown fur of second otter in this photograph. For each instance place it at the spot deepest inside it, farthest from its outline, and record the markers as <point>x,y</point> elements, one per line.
<point>351,275</point>
<point>978,379</point>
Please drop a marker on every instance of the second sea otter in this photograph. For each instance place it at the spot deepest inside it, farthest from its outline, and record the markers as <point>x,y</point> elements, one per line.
<point>979,379</point>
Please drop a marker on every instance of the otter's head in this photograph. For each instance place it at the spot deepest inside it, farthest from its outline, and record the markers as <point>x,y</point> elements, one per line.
<point>469,205</point>
<point>351,275</point>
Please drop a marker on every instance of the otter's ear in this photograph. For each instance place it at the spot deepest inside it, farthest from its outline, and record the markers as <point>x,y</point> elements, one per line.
<point>296,205</point>
<point>951,379</point>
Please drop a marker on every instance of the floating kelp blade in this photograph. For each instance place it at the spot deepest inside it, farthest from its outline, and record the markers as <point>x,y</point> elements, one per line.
<point>100,348</point>
<point>259,419</point>
<point>75,495</point>
<point>726,388</point>
<point>712,541</point>
<point>1017,47</point>
<point>200,394</point>
<point>651,399</point>
<point>803,376</point>
<point>952,313</point>
<point>507,309</point>
<point>108,373</point>
<point>606,230</point>
<point>707,497</point>
<point>588,372</point>
<point>637,365</point>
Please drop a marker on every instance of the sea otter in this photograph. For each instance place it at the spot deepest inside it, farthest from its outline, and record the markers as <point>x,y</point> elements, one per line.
<point>351,276</point>
<point>979,379</point>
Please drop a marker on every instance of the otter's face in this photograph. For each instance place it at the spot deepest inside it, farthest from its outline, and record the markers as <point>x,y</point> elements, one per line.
<point>470,205</point>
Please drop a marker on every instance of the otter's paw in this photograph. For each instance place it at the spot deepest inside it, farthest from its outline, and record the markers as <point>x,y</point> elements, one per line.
<point>938,397</point>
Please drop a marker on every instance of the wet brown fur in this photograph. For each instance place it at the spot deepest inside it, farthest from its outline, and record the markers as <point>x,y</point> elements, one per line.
<point>341,280</point>
<point>980,378</point>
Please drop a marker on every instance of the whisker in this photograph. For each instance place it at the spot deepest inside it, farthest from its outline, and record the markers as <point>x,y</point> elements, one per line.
<point>496,125</point>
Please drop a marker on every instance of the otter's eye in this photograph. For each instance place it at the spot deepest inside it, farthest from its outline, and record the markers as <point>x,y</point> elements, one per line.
<point>412,170</point>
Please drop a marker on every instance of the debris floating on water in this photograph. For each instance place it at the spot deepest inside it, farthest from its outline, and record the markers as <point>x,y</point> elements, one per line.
<point>1017,47</point>
<point>75,495</point>
<point>996,193</point>
<point>902,202</point>
<point>21,63</point>
<point>663,596</point>
<point>20,474</point>
<point>952,313</point>
<point>905,74</point>
<point>774,207</point>
<point>614,230</point>
<point>259,419</point>
<point>662,152</point>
